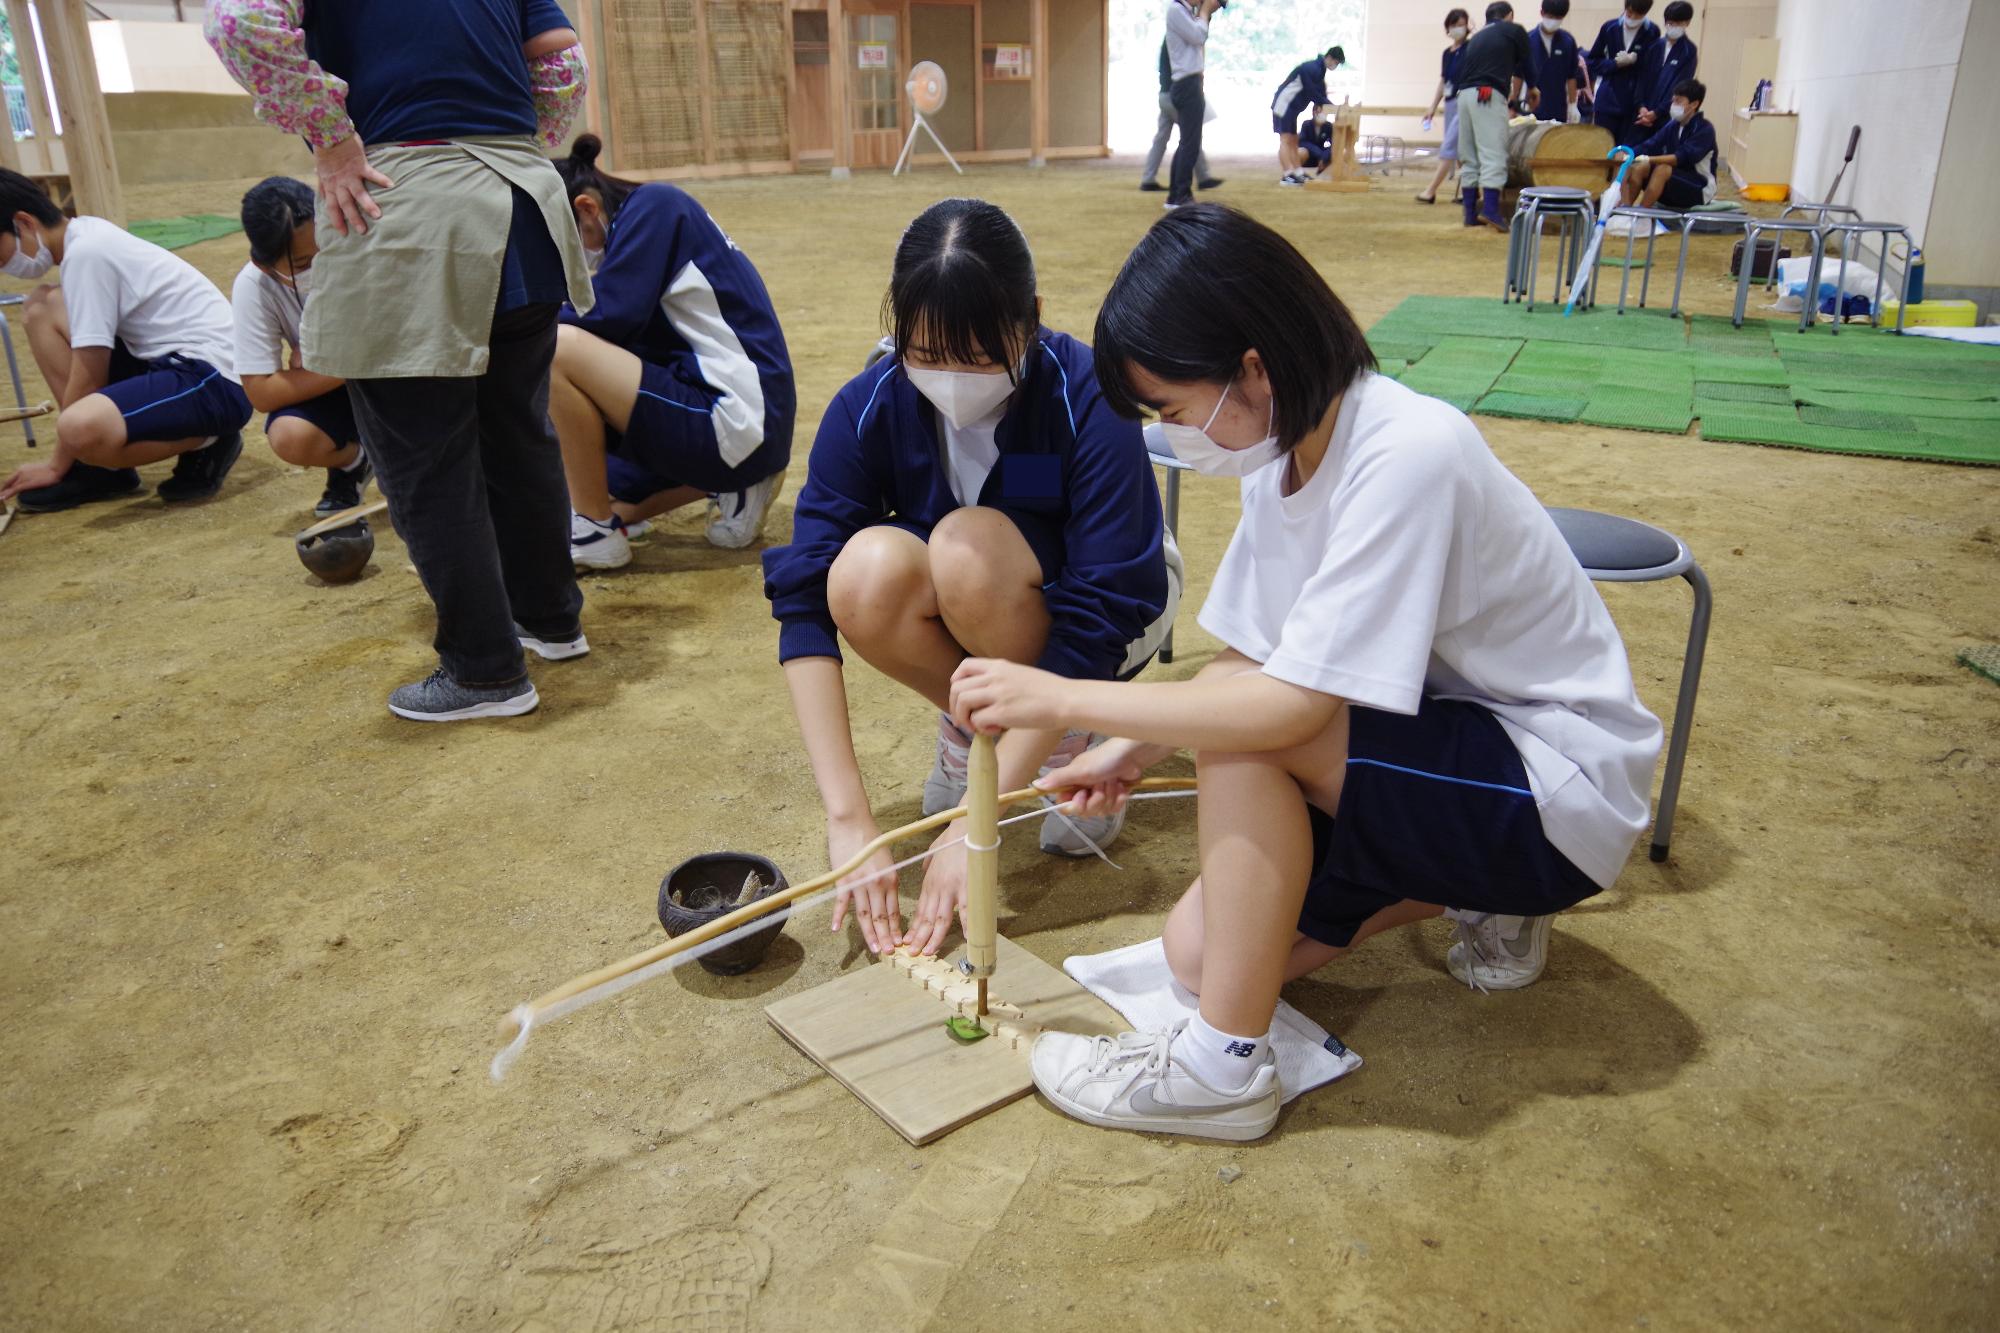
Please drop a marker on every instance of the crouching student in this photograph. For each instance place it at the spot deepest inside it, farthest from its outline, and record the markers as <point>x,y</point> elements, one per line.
<point>1676,167</point>
<point>676,387</point>
<point>311,421</point>
<point>136,347</point>
<point>1422,707</point>
<point>972,495</point>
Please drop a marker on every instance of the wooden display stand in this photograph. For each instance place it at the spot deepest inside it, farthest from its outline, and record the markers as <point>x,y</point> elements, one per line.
<point>1343,174</point>
<point>880,1029</point>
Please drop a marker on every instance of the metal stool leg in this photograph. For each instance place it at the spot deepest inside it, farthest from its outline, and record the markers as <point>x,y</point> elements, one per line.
<point>1173,526</point>
<point>1625,278</point>
<point>1670,786</point>
<point>14,369</point>
<point>1746,264</point>
<point>1680,269</point>
<point>1646,277</point>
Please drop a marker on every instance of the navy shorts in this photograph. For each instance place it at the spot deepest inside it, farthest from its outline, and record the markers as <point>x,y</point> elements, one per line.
<point>670,440</point>
<point>1684,191</point>
<point>1434,808</point>
<point>1287,121</point>
<point>331,413</point>
<point>175,398</point>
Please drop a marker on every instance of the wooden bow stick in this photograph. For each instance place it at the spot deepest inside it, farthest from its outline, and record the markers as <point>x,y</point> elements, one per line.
<point>510,1026</point>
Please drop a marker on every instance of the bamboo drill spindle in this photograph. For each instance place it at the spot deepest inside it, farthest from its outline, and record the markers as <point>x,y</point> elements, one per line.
<point>982,864</point>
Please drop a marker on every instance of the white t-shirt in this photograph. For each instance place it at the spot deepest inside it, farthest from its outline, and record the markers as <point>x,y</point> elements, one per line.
<point>971,452</point>
<point>118,288</point>
<point>267,321</point>
<point>1413,564</point>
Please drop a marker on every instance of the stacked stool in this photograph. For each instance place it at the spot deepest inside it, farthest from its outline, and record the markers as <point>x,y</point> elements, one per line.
<point>1572,211</point>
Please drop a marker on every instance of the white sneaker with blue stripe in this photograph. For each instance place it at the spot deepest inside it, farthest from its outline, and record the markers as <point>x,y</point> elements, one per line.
<point>595,545</point>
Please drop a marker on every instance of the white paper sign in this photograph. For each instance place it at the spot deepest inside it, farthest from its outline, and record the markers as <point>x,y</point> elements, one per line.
<point>872,55</point>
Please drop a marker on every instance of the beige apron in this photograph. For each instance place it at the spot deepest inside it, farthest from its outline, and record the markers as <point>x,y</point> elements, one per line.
<point>414,296</point>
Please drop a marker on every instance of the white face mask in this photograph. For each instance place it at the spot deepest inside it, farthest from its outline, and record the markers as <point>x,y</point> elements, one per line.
<point>1456,34</point>
<point>26,263</point>
<point>1193,446</point>
<point>592,258</point>
<point>1675,33</point>
<point>1551,25</point>
<point>963,396</point>
<point>1632,23</point>
<point>1677,111</point>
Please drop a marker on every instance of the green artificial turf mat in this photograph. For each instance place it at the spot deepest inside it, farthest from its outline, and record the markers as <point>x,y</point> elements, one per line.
<point>1725,392</point>
<point>1542,386</point>
<point>177,233</point>
<point>1617,260</point>
<point>1909,387</point>
<point>1762,370</point>
<point>1397,349</point>
<point>1842,418</point>
<point>1537,407</point>
<point>1951,428</point>
<point>1638,409</point>
<point>1983,658</point>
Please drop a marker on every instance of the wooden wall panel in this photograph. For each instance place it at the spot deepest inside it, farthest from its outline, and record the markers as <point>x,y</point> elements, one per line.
<point>697,83</point>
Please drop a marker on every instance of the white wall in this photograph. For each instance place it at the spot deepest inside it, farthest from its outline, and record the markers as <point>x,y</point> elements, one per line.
<point>1889,68</point>
<point>156,58</point>
<point>1962,240</point>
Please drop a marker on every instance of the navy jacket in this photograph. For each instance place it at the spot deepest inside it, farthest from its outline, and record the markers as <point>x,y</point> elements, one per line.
<point>1307,81</point>
<point>1689,143</point>
<point>1619,89</point>
<point>1553,67</point>
<point>1665,66</point>
<point>1065,458</point>
<point>671,286</point>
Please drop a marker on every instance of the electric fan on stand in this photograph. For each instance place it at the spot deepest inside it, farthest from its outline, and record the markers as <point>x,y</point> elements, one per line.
<point>926,88</point>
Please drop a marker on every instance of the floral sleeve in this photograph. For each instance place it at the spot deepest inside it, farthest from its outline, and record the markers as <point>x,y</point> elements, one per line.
<point>559,80</point>
<point>264,48</point>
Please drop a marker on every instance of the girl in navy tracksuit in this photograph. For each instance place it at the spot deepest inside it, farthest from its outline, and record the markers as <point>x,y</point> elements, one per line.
<point>1615,60</point>
<point>969,495</point>
<point>677,385</point>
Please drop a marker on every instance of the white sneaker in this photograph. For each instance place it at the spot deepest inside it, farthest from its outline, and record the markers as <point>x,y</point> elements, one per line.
<point>1132,1081</point>
<point>1497,952</point>
<point>1291,180</point>
<point>554,650</point>
<point>594,545</point>
<point>636,531</point>
<point>737,519</point>
<point>945,787</point>
<point>1074,835</point>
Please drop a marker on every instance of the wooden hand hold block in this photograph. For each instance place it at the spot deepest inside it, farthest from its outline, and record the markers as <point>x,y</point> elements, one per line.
<point>880,1032</point>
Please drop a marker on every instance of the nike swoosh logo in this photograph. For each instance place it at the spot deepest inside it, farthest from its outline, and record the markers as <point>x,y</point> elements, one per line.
<point>1143,1101</point>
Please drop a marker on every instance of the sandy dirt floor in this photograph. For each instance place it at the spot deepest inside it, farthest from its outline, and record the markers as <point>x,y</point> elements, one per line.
<point>255,933</point>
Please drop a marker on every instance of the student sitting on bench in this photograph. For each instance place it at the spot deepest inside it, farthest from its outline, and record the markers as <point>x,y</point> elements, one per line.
<point>135,345</point>
<point>311,421</point>
<point>1676,167</point>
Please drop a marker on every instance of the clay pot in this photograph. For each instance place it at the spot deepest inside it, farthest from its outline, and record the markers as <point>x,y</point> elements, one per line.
<point>704,887</point>
<point>338,556</point>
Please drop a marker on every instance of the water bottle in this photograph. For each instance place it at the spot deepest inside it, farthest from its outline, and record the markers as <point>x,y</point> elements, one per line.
<point>1916,277</point>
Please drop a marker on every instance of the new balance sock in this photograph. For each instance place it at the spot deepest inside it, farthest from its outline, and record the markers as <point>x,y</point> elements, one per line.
<point>1222,1061</point>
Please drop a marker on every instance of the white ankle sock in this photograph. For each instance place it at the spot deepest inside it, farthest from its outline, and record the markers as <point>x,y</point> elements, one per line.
<point>1218,1059</point>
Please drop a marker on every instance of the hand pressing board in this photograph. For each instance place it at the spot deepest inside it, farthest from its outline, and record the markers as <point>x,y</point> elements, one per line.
<point>880,1031</point>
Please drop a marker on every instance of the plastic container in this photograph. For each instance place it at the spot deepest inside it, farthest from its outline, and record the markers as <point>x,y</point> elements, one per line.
<point>1916,277</point>
<point>704,887</point>
<point>1933,314</point>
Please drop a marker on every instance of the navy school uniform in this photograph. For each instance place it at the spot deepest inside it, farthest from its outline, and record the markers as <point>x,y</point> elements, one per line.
<point>1303,89</point>
<point>1552,65</point>
<point>1619,90</point>
<point>1072,475</point>
<point>1316,145</point>
<point>716,398</point>
<point>1665,66</point>
<point>1691,143</point>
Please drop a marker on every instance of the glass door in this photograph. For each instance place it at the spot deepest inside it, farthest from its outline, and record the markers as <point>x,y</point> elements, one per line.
<point>875,87</point>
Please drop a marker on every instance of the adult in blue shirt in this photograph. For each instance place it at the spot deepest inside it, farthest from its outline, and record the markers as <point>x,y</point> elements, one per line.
<point>437,301</point>
<point>677,386</point>
<point>1552,55</point>
<point>1614,62</point>
<point>1676,167</point>
<point>1303,90</point>
<point>971,495</point>
<point>1668,64</point>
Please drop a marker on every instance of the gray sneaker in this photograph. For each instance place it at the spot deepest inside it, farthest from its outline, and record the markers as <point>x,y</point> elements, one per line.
<point>1076,835</point>
<point>1496,952</point>
<point>945,787</point>
<point>439,698</point>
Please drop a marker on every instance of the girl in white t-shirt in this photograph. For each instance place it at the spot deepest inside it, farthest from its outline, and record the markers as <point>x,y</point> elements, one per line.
<point>311,422</point>
<point>1422,706</point>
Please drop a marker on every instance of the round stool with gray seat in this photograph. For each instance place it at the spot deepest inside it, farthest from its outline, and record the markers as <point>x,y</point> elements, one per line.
<point>1612,549</point>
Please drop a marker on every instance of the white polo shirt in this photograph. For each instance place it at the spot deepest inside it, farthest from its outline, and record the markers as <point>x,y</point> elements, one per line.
<point>117,287</point>
<point>1413,564</point>
<point>267,315</point>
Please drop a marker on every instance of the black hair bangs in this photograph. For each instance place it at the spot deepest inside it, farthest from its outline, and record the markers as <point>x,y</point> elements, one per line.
<point>273,209</point>
<point>963,287</point>
<point>1207,284</point>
